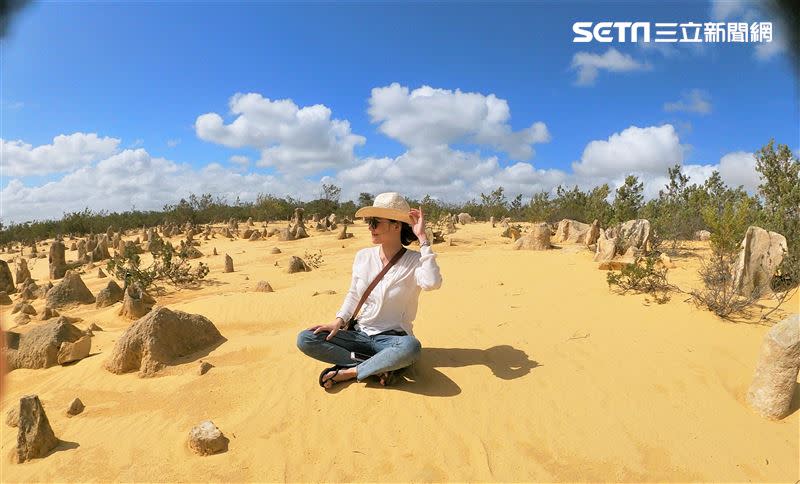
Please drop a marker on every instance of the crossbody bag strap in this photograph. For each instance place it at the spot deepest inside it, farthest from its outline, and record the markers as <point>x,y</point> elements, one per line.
<point>374,283</point>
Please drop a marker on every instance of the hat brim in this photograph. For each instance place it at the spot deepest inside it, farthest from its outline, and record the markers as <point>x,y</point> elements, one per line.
<point>380,212</point>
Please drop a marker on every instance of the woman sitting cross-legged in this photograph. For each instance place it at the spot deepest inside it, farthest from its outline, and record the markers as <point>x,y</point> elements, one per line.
<point>387,280</point>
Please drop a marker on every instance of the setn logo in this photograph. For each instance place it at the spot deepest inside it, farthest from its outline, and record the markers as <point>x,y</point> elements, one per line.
<point>602,31</point>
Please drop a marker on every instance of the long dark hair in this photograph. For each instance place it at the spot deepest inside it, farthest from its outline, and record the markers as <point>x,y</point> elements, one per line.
<point>407,234</point>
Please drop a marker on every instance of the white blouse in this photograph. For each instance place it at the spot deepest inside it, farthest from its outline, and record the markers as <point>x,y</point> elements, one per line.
<point>392,304</point>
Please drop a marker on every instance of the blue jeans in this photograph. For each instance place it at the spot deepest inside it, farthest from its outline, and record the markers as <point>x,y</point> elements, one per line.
<point>390,351</point>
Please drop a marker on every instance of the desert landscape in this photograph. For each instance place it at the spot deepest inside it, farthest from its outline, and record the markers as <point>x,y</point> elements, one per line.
<point>532,370</point>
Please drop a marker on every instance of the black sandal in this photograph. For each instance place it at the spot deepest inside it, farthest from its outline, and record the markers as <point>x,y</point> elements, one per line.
<point>386,378</point>
<point>335,369</point>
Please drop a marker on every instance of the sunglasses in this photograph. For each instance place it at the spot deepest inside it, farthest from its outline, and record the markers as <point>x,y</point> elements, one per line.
<point>373,222</point>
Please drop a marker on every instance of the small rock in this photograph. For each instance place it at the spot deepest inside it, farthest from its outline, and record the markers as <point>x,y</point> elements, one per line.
<point>22,319</point>
<point>49,313</point>
<point>24,308</point>
<point>275,250</point>
<point>328,291</point>
<point>75,407</point>
<point>12,417</point>
<point>95,327</point>
<point>263,286</point>
<point>297,264</point>
<point>100,273</point>
<point>228,263</point>
<point>74,351</point>
<point>207,439</point>
<point>204,367</point>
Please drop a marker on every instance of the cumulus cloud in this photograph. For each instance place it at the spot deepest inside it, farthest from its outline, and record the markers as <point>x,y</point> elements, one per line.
<point>65,153</point>
<point>739,168</point>
<point>634,150</point>
<point>749,12</point>
<point>291,139</point>
<point>694,101</point>
<point>135,178</point>
<point>428,117</point>
<point>242,161</point>
<point>589,65</point>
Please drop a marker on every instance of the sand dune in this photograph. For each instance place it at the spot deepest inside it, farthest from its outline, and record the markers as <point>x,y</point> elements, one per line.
<point>532,370</point>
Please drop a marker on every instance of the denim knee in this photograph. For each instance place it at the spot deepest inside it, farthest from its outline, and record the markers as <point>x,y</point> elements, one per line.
<point>412,347</point>
<point>305,339</point>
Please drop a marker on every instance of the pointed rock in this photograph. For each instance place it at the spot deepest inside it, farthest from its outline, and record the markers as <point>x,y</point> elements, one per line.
<point>263,286</point>
<point>71,290</point>
<point>109,295</point>
<point>35,437</point>
<point>23,272</point>
<point>159,339</point>
<point>297,264</point>
<point>6,282</point>
<point>49,313</point>
<point>134,303</point>
<point>75,407</point>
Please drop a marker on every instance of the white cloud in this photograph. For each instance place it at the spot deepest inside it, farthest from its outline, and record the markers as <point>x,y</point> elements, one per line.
<point>292,139</point>
<point>171,143</point>
<point>589,65</point>
<point>242,161</point>
<point>427,117</point>
<point>722,10</point>
<point>66,153</point>
<point>694,101</point>
<point>634,150</point>
<point>134,178</point>
<point>739,168</point>
<point>749,12</point>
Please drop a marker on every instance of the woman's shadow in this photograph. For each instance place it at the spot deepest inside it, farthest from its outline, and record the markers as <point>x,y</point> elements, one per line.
<point>423,378</point>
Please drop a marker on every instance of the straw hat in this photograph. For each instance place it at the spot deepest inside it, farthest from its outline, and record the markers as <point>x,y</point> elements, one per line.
<point>389,205</point>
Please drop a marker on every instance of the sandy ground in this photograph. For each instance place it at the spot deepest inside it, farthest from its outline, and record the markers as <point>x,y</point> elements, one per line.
<point>532,370</point>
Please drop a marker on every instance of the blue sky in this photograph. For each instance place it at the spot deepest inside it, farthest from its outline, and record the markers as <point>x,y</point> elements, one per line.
<point>141,75</point>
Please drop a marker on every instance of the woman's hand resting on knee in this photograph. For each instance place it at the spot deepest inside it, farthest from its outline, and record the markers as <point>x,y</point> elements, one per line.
<point>332,327</point>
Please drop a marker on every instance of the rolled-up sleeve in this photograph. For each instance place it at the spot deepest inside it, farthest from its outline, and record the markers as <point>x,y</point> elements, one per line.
<point>427,275</point>
<point>351,299</point>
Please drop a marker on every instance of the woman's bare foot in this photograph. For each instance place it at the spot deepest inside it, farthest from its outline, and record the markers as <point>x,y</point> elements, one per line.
<point>332,377</point>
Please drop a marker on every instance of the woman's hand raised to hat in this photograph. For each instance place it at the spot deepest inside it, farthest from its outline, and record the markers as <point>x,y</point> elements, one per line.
<point>418,223</point>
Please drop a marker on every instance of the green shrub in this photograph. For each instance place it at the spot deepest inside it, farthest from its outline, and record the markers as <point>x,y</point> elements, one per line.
<point>646,276</point>
<point>169,265</point>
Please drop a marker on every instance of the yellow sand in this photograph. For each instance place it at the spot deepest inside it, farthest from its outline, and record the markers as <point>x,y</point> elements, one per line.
<point>532,370</point>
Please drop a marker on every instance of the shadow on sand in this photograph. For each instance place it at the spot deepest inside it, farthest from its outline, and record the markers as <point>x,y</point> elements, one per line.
<point>423,378</point>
